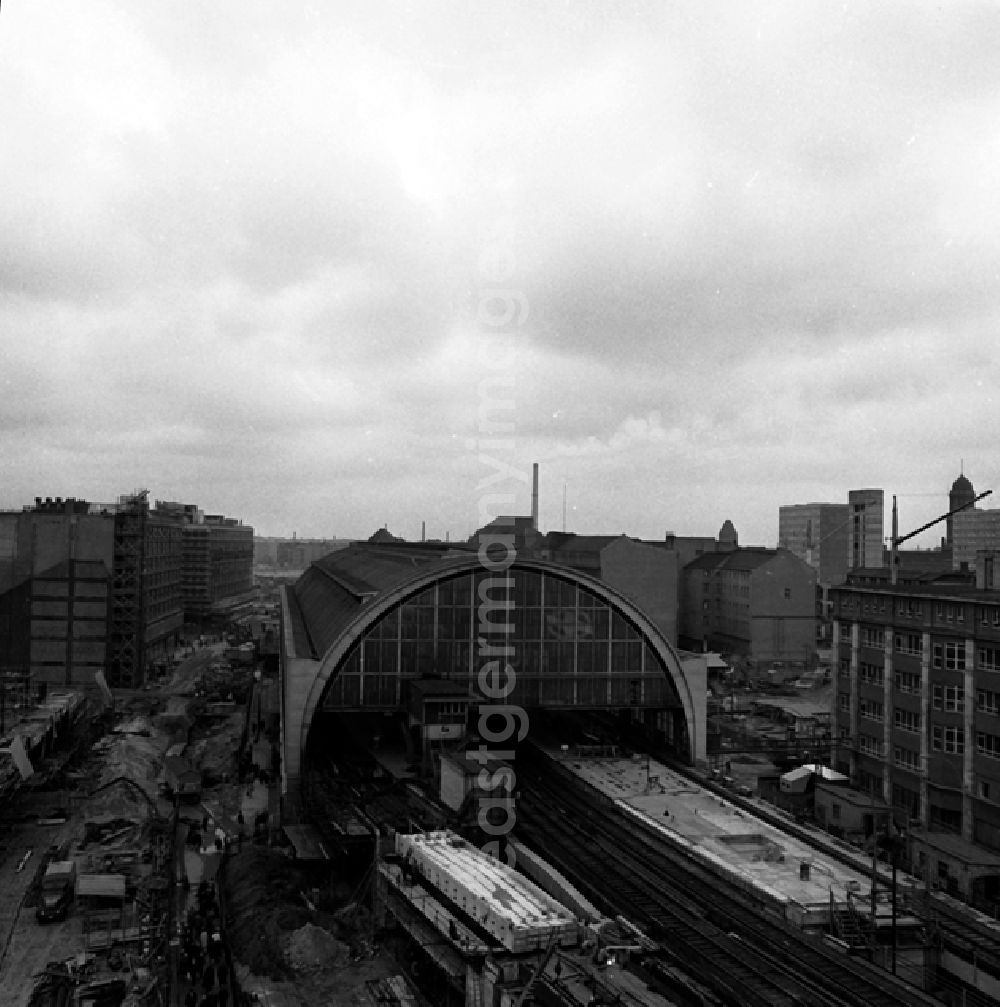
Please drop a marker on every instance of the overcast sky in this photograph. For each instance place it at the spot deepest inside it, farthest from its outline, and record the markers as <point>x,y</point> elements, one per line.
<point>715,258</point>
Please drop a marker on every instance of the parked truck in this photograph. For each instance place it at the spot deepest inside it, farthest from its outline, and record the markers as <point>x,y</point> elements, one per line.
<point>58,885</point>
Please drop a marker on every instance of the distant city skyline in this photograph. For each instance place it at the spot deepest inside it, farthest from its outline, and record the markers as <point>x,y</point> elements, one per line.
<point>931,505</point>
<point>717,259</point>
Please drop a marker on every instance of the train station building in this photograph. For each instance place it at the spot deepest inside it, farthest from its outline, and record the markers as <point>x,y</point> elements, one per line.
<point>448,641</point>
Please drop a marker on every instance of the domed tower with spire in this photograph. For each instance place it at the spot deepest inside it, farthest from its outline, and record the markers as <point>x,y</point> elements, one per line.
<point>728,539</point>
<point>961,494</point>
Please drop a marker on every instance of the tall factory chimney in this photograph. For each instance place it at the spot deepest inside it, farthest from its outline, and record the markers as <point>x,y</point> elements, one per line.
<point>534,496</point>
<point>423,531</point>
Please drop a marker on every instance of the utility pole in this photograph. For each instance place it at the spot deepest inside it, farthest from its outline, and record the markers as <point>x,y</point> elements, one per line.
<point>891,842</point>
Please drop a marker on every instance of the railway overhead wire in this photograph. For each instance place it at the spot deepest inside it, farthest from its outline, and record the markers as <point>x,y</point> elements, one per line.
<point>734,945</point>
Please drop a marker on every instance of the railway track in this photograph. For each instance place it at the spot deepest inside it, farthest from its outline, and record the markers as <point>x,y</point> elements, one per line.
<point>957,932</point>
<point>729,942</point>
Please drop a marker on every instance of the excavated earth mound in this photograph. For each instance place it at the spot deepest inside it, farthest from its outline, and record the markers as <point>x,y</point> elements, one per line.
<point>311,948</point>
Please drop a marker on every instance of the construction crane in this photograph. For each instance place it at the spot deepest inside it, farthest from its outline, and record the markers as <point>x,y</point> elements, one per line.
<point>898,539</point>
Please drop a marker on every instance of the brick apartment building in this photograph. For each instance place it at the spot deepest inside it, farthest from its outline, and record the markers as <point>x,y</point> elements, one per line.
<point>758,605</point>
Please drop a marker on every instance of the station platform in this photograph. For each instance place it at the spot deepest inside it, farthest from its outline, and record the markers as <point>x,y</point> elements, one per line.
<point>752,851</point>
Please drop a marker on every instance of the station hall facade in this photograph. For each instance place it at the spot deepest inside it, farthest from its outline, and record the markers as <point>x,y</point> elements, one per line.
<point>367,627</point>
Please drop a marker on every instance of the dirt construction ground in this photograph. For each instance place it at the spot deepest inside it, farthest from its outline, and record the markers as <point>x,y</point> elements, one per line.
<point>286,946</point>
<point>26,946</point>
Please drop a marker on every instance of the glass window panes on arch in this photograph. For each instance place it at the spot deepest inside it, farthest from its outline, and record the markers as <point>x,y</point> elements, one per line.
<point>566,645</point>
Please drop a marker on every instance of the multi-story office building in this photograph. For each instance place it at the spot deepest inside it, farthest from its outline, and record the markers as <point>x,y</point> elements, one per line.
<point>50,532</point>
<point>916,716</point>
<point>866,531</point>
<point>56,559</point>
<point>68,625</point>
<point>218,555</point>
<point>755,604</point>
<point>218,568</point>
<point>86,587</point>
<point>89,587</point>
<point>973,531</point>
<point>146,612</point>
<point>818,534</point>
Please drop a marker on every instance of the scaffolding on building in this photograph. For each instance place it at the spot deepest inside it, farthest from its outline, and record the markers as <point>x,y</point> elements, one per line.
<point>125,665</point>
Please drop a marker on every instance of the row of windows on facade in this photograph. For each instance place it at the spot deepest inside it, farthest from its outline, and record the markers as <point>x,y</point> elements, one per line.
<point>742,591</point>
<point>947,655</point>
<point>948,740</point>
<point>943,819</point>
<point>946,699</point>
<point>733,608</point>
<point>424,623</point>
<point>524,591</point>
<point>904,797</point>
<point>913,608</point>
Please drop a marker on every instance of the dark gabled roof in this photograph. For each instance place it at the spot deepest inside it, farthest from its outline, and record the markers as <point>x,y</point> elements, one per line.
<point>559,541</point>
<point>510,522</point>
<point>328,595</point>
<point>322,606</point>
<point>748,558</point>
<point>365,568</point>
<point>301,643</point>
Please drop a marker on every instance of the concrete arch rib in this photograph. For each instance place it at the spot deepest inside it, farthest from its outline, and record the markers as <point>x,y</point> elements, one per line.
<point>381,605</point>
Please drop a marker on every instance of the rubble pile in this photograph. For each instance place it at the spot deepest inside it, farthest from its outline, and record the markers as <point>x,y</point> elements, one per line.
<point>175,726</point>
<point>121,799</point>
<point>134,757</point>
<point>311,948</point>
<point>222,683</point>
<point>213,754</point>
<point>261,886</point>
